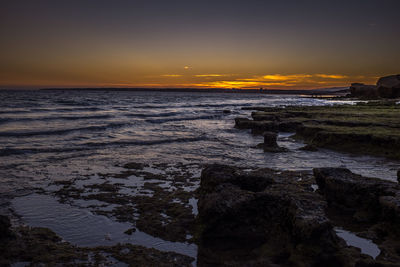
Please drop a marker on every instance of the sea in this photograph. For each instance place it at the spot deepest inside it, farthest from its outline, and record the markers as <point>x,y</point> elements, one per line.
<point>57,135</point>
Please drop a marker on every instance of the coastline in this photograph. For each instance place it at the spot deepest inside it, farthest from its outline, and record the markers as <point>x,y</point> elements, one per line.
<point>157,209</point>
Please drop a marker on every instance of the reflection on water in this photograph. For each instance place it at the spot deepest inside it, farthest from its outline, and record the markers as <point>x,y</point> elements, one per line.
<point>366,246</point>
<point>83,228</point>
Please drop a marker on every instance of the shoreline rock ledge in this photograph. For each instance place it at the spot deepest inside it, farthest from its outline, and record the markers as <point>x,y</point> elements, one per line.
<point>273,218</point>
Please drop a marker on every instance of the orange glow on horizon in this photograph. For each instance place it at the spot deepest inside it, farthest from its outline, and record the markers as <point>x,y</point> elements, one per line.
<point>268,81</point>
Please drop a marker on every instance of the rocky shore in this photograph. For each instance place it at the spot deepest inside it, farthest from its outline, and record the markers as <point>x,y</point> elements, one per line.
<point>270,218</point>
<point>366,128</point>
<point>38,246</point>
<point>151,199</point>
<point>266,217</point>
<point>244,216</point>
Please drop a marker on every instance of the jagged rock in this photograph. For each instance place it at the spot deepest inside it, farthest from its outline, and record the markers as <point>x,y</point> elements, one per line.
<point>218,174</point>
<point>375,198</point>
<point>226,111</point>
<point>250,219</point>
<point>369,203</point>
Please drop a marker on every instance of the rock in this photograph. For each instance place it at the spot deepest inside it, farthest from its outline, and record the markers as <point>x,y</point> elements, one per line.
<point>354,194</point>
<point>391,81</point>
<point>36,246</point>
<point>365,128</point>
<point>398,176</point>
<point>289,126</point>
<point>130,231</point>
<point>226,111</point>
<point>270,139</point>
<point>242,123</point>
<point>257,127</point>
<point>311,148</point>
<point>362,141</point>
<point>135,165</point>
<point>389,92</point>
<point>216,174</point>
<point>261,116</point>
<point>386,87</point>
<point>270,222</point>
<point>5,231</point>
<point>270,144</point>
<point>368,204</point>
<point>363,91</point>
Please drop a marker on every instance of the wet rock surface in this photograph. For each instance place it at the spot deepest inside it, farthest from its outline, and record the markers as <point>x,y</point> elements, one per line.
<point>368,205</point>
<point>270,218</point>
<point>263,218</point>
<point>375,198</point>
<point>41,247</point>
<point>155,200</point>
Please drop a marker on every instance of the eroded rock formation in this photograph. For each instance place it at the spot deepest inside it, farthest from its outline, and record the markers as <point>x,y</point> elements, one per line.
<point>264,218</point>
<point>270,218</point>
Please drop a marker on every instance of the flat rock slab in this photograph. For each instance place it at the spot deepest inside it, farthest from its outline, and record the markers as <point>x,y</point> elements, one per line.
<point>366,128</point>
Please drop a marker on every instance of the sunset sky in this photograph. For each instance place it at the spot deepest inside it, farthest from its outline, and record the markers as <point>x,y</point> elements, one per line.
<point>223,44</point>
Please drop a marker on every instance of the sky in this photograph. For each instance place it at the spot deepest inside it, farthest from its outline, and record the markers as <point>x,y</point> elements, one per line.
<point>282,44</point>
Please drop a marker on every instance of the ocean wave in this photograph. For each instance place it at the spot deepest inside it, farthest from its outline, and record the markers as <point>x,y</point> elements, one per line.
<point>221,105</point>
<point>62,109</point>
<point>148,142</point>
<point>62,131</point>
<point>151,115</point>
<point>14,111</point>
<point>95,145</point>
<point>196,106</point>
<point>57,109</point>
<point>205,117</point>
<point>20,151</point>
<point>53,118</point>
